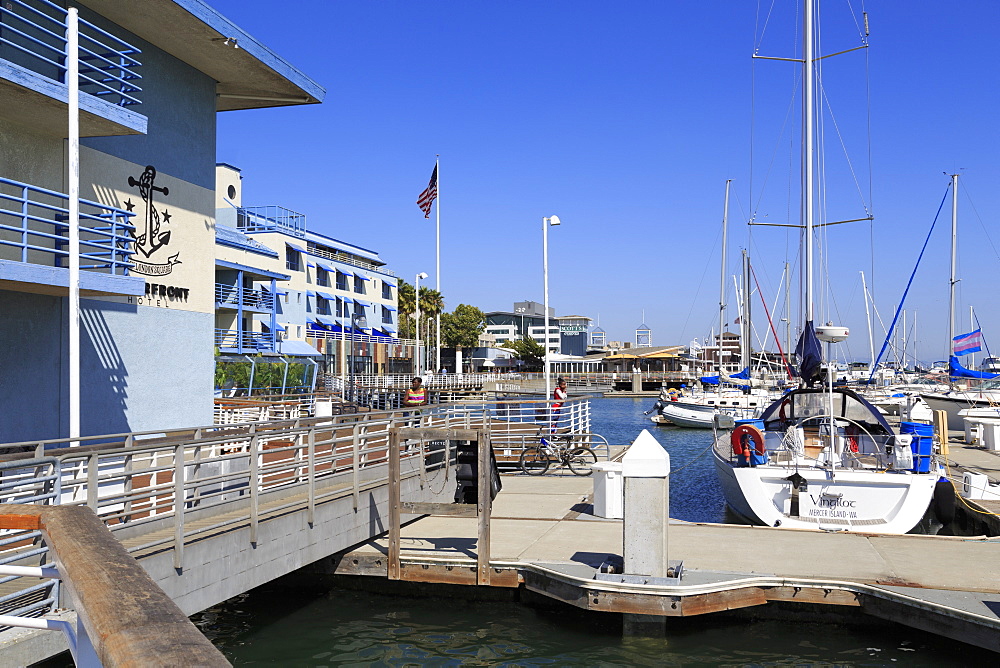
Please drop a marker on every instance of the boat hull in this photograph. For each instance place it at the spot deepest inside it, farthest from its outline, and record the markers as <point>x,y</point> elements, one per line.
<point>868,501</point>
<point>958,401</point>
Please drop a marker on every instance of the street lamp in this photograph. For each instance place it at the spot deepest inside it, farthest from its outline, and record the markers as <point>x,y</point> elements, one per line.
<point>546,222</point>
<point>357,320</point>
<point>416,291</point>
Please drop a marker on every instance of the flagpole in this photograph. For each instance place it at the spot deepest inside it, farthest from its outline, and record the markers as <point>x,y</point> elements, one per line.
<point>437,337</point>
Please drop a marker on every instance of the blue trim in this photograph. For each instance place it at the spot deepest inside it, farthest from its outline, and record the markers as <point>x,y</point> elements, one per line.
<point>346,299</point>
<point>90,281</point>
<point>120,120</point>
<point>249,45</point>
<point>388,307</point>
<point>363,277</point>
<point>252,249</point>
<point>325,295</point>
<point>310,293</point>
<point>252,270</point>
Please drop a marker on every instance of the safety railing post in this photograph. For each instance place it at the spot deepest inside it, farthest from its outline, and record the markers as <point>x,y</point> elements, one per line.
<point>178,507</point>
<point>254,486</point>
<point>93,491</point>
<point>311,474</point>
<point>484,508</point>
<point>394,510</point>
<point>355,468</point>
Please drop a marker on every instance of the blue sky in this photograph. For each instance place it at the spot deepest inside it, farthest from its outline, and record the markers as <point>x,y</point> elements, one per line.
<point>626,119</point>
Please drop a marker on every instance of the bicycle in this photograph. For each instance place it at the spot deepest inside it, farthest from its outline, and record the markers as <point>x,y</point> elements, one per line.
<point>536,459</point>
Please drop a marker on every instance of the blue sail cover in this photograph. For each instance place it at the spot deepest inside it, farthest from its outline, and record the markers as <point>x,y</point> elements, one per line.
<point>956,370</point>
<point>714,380</point>
<point>810,355</point>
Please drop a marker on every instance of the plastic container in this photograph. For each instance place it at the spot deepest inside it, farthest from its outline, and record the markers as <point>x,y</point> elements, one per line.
<point>609,490</point>
<point>922,445</point>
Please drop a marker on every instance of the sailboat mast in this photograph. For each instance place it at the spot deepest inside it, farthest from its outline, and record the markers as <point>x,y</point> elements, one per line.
<point>868,319</point>
<point>807,150</point>
<point>952,282</point>
<point>722,276</point>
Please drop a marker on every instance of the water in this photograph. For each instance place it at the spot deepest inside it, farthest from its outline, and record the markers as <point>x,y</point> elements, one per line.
<point>301,622</point>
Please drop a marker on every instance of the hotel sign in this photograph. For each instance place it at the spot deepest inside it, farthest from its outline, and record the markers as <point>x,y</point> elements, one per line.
<point>572,328</point>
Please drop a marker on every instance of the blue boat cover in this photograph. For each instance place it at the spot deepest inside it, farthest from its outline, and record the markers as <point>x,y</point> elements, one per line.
<point>956,370</point>
<point>810,355</point>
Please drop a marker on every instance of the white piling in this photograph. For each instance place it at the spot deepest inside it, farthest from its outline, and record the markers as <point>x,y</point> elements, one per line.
<point>646,472</point>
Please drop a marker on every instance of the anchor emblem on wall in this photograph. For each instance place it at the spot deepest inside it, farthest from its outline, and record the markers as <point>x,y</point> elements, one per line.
<point>151,238</point>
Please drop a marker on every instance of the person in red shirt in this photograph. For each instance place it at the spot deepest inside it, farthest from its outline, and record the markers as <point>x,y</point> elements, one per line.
<point>558,397</point>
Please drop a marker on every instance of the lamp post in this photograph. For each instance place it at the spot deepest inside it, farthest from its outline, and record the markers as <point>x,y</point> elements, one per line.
<point>416,297</point>
<point>357,320</point>
<point>546,222</point>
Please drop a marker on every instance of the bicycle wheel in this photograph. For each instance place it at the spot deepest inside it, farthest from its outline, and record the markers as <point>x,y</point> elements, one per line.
<point>580,460</point>
<point>534,461</point>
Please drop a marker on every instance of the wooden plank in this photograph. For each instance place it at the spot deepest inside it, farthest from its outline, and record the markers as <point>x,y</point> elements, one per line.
<point>485,507</point>
<point>440,509</point>
<point>458,574</point>
<point>128,618</point>
<point>812,595</point>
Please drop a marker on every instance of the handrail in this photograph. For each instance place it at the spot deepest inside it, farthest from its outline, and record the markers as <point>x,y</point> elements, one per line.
<point>127,618</point>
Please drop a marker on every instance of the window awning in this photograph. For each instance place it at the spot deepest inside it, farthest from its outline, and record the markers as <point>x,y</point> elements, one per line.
<point>294,247</point>
<point>346,300</point>
<point>362,276</point>
<point>310,264</point>
<point>344,272</point>
<point>388,330</point>
<point>388,308</point>
<point>325,295</point>
<point>310,293</point>
<point>278,327</point>
<point>297,349</point>
<point>252,271</point>
<point>366,304</point>
<point>324,267</point>
<point>325,321</point>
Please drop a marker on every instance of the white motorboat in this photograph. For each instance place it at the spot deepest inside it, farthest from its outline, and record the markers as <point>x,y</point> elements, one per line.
<point>699,412</point>
<point>820,457</point>
<point>985,396</point>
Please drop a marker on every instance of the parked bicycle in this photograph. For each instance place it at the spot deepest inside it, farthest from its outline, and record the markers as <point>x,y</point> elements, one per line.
<point>536,459</point>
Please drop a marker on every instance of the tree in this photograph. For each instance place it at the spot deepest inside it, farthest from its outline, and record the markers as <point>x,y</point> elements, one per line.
<point>405,295</point>
<point>461,328</point>
<point>431,304</point>
<point>528,351</point>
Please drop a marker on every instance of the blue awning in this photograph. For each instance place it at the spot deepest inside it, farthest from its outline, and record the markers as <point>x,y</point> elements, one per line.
<point>388,308</point>
<point>310,264</point>
<point>324,267</point>
<point>297,349</point>
<point>358,301</point>
<point>278,327</point>
<point>323,320</point>
<point>294,247</point>
<point>344,272</point>
<point>388,329</point>
<point>362,277</point>
<point>310,293</point>
<point>325,295</point>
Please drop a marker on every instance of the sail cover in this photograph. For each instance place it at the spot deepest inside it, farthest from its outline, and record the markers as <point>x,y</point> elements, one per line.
<point>810,355</point>
<point>956,370</point>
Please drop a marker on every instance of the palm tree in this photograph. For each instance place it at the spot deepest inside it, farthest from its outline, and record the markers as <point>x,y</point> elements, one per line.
<point>405,298</point>
<point>431,305</point>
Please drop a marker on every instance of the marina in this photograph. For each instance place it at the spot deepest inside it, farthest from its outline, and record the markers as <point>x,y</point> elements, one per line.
<point>233,431</point>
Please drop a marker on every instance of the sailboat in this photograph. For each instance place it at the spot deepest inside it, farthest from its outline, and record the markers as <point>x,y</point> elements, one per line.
<point>822,457</point>
<point>698,411</point>
<point>980,401</point>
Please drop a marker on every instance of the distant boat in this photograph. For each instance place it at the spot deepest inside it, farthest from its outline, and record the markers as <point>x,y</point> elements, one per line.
<point>823,457</point>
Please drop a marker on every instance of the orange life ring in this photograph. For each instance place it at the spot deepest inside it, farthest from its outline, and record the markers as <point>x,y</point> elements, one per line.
<point>753,434</point>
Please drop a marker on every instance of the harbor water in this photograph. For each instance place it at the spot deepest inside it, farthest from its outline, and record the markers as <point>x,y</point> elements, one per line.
<point>299,621</point>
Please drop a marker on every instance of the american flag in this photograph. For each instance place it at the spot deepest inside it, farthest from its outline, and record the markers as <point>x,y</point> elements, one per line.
<point>428,196</point>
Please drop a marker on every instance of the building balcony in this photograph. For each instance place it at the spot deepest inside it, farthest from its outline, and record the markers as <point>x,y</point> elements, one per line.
<point>271,219</point>
<point>34,241</point>
<point>235,296</point>
<point>233,341</point>
<point>33,69</point>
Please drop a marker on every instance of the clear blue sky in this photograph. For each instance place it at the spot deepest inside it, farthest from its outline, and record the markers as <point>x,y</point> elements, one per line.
<point>625,119</point>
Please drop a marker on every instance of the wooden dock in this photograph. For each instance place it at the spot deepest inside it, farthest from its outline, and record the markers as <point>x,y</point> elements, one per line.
<point>544,537</point>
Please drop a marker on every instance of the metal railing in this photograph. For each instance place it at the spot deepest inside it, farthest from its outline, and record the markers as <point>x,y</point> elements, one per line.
<point>33,221</point>
<point>33,36</point>
<point>360,338</point>
<point>236,295</point>
<point>244,340</point>
<point>271,218</point>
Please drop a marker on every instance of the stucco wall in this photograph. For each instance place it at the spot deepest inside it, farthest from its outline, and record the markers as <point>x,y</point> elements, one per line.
<point>141,368</point>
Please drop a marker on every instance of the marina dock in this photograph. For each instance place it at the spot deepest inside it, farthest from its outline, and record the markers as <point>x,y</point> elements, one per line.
<point>545,538</point>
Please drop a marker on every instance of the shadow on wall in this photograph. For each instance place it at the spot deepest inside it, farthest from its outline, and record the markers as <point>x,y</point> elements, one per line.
<point>103,374</point>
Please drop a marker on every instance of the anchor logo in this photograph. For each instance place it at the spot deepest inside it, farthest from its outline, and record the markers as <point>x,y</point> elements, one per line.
<point>151,239</point>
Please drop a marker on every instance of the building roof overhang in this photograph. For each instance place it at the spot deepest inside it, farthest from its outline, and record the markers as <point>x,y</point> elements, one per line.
<point>249,75</point>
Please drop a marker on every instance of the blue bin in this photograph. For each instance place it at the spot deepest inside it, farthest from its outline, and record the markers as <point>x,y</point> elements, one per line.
<point>922,445</point>
<point>754,423</point>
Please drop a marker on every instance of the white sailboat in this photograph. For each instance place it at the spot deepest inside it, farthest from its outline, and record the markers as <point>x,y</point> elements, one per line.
<point>823,458</point>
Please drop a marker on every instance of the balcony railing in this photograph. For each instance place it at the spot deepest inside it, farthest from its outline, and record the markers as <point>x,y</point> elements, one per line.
<point>233,296</point>
<point>271,219</point>
<point>246,341</point>
<point>33,36</point>
<point>33,229</point>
